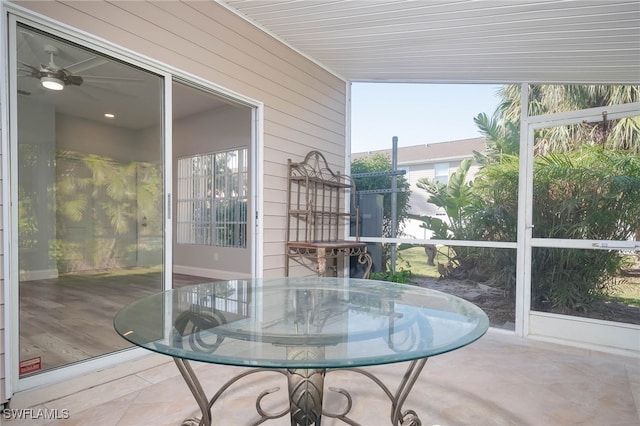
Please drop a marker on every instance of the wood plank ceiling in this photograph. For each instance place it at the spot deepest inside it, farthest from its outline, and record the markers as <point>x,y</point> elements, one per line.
<point>582,41</point>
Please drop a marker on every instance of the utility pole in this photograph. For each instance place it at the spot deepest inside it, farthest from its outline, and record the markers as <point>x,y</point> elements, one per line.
<point>394,200</point>
<point>394,195</point>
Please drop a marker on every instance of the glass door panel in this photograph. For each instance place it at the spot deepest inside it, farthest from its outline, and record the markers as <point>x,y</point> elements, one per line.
<point>89,194</point>
<point>586,219</point>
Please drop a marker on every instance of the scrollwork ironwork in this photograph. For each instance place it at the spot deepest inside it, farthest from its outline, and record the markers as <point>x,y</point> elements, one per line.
<point>305,405</point>
<point>188,325</point>
<point>305,385</point>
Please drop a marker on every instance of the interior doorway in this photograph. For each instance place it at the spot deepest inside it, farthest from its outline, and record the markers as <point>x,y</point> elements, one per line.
<point>212,183</point>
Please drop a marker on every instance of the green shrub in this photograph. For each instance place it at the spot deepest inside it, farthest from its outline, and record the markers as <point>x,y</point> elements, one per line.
<point>585,194</point>
<point>403,276</point>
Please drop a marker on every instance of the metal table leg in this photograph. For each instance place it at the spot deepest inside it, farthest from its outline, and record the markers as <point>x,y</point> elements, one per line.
<point>398,416</point>
<point>198,393</point>
<point>306,387</point>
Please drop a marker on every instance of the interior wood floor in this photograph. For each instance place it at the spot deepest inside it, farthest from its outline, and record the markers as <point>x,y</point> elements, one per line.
<point>70,318</point>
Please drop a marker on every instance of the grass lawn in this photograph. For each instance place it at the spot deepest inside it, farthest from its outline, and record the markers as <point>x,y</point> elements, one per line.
<point>414,259</point>
<point>627,291</point>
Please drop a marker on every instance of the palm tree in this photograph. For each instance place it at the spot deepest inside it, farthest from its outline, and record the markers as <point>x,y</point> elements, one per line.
<point>502,137</point>
<point>549,98</point>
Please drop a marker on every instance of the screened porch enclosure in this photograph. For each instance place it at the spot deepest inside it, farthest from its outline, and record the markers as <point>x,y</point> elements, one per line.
<point>539,225</point>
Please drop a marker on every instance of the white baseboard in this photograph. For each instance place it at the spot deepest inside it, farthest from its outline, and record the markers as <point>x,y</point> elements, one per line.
<point>44,274</point>
<point>210,273</point>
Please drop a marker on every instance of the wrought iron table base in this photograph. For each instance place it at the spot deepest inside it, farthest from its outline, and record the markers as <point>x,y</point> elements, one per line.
<point>305,395</point>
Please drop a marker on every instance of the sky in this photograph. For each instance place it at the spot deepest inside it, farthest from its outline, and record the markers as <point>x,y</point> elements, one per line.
<point>416,113</point>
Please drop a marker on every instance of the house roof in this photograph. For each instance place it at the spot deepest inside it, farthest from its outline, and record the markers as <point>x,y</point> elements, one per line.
<point>485,41</point>
<point>431,153</point>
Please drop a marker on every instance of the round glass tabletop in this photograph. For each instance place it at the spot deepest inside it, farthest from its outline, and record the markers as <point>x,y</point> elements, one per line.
<point>308,322</point>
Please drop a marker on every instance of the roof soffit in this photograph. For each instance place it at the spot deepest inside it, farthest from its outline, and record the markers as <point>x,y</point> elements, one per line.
<point>580,41</point>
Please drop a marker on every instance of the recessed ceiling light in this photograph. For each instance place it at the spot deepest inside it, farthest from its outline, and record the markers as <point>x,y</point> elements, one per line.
<point>109,115</point>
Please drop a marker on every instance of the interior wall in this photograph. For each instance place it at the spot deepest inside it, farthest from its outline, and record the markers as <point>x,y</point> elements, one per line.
<point>124,146</point>
<point>224,128</point>
<point>86,136</point>
<point>39,173</point>
<point>216,130</point>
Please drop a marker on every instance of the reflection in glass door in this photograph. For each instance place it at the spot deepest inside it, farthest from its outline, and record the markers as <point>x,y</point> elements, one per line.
<point>586,217</point>
<point>89,197</point>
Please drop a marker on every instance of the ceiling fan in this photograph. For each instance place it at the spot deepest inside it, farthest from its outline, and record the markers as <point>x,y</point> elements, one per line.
<point>51,75</point>
<point>55,77</point>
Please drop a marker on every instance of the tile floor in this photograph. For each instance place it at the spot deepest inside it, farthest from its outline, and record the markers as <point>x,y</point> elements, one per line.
<point>498,380</point>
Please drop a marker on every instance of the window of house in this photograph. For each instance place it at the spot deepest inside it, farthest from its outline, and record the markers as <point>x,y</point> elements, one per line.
<point>442,172</point>
<point>212,199</point>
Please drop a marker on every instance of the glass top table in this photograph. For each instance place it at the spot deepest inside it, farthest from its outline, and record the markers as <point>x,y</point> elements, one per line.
<point>302,327</point>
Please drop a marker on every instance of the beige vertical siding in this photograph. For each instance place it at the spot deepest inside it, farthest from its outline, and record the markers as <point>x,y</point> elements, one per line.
<point>304,104</point>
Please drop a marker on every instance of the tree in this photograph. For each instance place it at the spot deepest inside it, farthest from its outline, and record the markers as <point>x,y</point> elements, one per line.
<point>483,209</point>
<point>548,99</point>
<point>587,193</point>
<point>502,137</point>
<point>586,186</point>
<point>382,163</point>
<point>455,198</point>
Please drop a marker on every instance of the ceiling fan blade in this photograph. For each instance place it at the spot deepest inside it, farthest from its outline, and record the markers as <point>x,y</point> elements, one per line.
<point>26,74</point>
<point>105,79</point>
<point>87,64</point>
<point>110,91</point>
<point>39,43</point>
<point>29,68</point>
<point>75,80</point>
<point>36,50</point>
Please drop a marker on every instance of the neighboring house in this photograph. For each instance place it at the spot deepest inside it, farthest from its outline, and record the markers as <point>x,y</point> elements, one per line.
<point>432,161</point>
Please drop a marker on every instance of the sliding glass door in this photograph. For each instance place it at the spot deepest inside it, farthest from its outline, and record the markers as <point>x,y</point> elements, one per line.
<point>88,165</point>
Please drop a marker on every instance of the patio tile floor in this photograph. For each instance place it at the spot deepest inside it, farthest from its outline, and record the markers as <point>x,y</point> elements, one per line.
<point>498,380</point>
